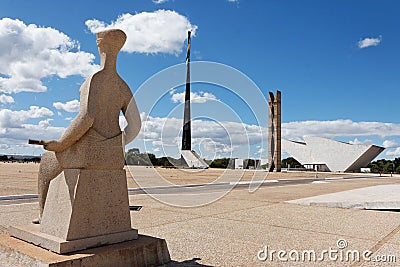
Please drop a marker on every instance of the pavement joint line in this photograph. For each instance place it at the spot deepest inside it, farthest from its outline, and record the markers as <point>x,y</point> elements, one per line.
<point>264,201</point>
<point>211,215</point>
<point>173,222</point>
<point>195,218</point>
<point>286,227</point>
<point>335,235</point>
<point>231,211</point>
<point>208,215</point>
<point>379,244</point>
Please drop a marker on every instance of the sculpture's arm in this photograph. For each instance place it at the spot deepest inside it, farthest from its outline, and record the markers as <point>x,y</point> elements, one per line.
<point>78,127</point>
<point>132,116</point>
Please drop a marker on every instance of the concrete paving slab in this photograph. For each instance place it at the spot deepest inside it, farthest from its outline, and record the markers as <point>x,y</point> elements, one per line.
<point>395,239</point>
<point>234,243</point>
<point>232,230</point>
<point>380,197</point>
<point>387,255</point>
<point>150,217</point>
<point>293,192</point>
<point>144,200</point>
<point>224,205</point>
<point>18,214</point>
<point>320,220</point>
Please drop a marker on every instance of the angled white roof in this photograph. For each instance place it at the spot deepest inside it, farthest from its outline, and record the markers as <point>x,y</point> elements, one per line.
<point>337,156</point>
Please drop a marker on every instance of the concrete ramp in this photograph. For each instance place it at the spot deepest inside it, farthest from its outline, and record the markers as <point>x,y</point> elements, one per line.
<point>193,160</point>
<point>380,197</point>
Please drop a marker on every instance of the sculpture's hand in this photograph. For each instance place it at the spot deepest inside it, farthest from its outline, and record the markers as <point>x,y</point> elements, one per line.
<point>53,145</point>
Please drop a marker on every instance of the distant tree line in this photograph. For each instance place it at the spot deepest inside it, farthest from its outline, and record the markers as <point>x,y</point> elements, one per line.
<point>134,157</point>
<point>228,163</point>
<point>5,158</point>
<point>385,166</point>
<point>222,163</point>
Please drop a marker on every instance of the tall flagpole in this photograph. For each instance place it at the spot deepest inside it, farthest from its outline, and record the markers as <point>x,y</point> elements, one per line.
<point>186,131</point>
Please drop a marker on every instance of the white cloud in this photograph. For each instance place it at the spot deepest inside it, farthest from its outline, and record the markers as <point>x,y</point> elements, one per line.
<point>358,142</point>
<point>395,152</point>
<point>4,146</point>
<point>159,1</point>
<point>367,42</point>
<point>329,129</point>
<point>42,131</point>
<point>29,53</point>
<point>260,151</point>
<point>389,144</point>
<point>222,137</point>
<point>15,129</point>
<point>45,123</point>
<point>70,106</point>
<point>226,137</point>
<point>161,31</point>
<point>6,99</point>
<point>201,97</point>
<point>15,119</point>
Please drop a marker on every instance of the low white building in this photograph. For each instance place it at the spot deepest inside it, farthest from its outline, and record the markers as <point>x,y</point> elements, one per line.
<point>239,164</point>
<point>330,155</point>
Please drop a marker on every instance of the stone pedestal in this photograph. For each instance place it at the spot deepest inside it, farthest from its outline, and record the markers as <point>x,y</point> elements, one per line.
<point>84,209</point>
<point>145,251</point>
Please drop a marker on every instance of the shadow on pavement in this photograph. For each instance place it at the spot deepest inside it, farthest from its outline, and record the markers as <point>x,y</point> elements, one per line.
<point>187,263</point>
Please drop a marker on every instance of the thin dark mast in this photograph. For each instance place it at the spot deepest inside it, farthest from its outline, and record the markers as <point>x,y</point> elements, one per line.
<point>186,131</point>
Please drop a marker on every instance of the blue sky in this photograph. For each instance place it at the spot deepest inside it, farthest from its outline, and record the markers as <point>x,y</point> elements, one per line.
<point>336,63</point>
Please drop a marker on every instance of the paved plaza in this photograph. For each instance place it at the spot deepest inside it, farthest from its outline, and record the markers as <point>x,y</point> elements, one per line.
<point>249,229</point>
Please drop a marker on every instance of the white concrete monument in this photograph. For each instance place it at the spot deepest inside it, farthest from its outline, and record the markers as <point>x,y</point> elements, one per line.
<point>330,155</point>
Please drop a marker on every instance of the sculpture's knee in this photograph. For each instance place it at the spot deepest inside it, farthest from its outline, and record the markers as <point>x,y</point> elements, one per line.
<point>47,156</point>
<point>49,166</point>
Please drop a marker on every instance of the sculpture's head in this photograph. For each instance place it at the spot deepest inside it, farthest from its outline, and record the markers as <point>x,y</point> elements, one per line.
<point>110,41</point>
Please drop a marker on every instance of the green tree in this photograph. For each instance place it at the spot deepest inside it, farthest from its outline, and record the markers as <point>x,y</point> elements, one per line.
<point>133,158</point>
<point>221,163</point>
<point>134,151</point>
<point>153,159</point>
<point>398,169</point>
<point>385,166</point>
<point>164,161</point>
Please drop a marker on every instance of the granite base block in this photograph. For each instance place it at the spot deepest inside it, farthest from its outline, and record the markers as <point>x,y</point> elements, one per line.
<point>31,233</point>
<point>145,251</point>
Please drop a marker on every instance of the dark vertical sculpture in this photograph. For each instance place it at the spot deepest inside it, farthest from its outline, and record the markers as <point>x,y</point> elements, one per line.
<point>187,132</point>
<point>274,131</point>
